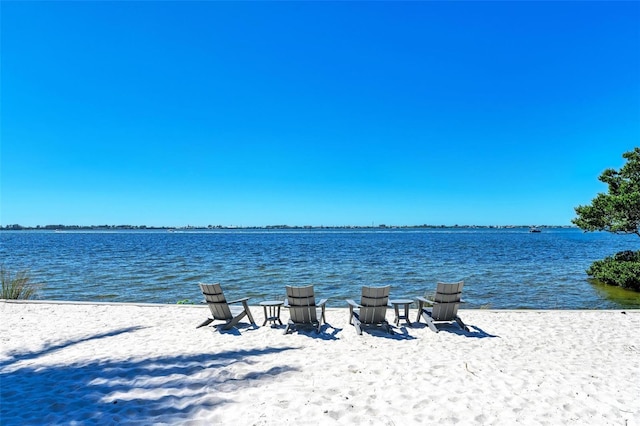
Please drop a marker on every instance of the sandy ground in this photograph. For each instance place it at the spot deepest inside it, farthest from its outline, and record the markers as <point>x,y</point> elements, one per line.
<point>83,363</point>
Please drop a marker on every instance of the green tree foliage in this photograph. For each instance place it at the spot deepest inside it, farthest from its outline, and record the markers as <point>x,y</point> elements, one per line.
<point>617,211</point>
<point>623,270</point>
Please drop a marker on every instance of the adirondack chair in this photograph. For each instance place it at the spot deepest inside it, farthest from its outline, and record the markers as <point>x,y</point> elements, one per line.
<point>222,310</point>
<point>371,310</point>
<point>444,306</point>
<point>303,310</point>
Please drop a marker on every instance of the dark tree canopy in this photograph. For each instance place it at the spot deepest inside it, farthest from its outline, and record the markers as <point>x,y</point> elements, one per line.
<point>617,211</point>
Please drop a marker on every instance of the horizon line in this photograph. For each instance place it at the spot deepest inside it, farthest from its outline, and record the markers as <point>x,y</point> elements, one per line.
<point>203,227</point>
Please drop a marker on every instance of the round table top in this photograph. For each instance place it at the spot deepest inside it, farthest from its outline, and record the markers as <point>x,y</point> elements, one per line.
<point>400,301</point>
<point>272,303</point>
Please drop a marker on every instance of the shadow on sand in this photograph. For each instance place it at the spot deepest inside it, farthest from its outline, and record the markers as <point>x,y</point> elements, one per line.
<point>236,330</point>
<point>453,328</point>
<point>398,333</point>
<point>327,331</point>
<point>113,391</point>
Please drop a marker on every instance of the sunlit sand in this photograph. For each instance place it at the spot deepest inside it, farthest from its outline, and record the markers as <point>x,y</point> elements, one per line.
<point>111,364</point>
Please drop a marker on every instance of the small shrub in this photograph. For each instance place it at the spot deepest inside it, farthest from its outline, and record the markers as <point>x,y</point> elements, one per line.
<point>627,256</point>
<point>18,286</point>
<point>622,269</point>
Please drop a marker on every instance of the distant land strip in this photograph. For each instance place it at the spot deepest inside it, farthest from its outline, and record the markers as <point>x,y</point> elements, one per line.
<point>214,227</point>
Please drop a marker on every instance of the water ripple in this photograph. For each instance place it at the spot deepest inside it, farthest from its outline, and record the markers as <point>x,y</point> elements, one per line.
<point>502,268</point>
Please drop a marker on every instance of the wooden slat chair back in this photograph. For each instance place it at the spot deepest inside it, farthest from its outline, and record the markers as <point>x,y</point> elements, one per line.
<point>372,309</point>
<point>218,305</point>
<point>446,301</point>
<point>221,309</point>
<point>303,309</point>
<point>443,307</point>
<point>373,304</point>
<point>302,304</point>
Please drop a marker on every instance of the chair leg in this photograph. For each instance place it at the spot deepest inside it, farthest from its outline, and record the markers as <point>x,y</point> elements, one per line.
<point>461,324</point>
<point>356,324</point>
<point>234,321</point>
<point>430,322</point>
<point>248,311</point>
<point>288,327</point>
<point>206,322</point>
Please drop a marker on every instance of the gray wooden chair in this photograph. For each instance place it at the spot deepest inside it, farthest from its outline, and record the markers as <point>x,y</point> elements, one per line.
<point>303,310</point>
<point>443,307</point>
<point>222,310</point>
<point>372,309</point>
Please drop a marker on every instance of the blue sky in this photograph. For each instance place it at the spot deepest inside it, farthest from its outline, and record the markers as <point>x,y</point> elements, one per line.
<point>313,113</point>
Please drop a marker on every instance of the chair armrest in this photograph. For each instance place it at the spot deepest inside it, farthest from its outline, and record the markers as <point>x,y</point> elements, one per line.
<point>286,303</point>
<point>321,305</point>
<point>353,304</point>
<point>244,299</point>
<point>424,300</point>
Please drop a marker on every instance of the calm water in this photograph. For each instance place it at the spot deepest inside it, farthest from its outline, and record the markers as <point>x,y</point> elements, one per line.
<point>502,268</point>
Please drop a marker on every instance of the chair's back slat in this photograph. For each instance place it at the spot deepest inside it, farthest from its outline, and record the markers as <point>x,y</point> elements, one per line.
<point>447,301</point>
<point>374,304</point>
<point>302,304</point>
<point>216,301</point>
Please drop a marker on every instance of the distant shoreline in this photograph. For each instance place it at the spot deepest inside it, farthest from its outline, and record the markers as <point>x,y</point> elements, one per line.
<point>231,227</point>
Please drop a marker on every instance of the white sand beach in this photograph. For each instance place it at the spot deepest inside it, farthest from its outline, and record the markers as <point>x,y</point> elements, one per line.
<point>86,363</point>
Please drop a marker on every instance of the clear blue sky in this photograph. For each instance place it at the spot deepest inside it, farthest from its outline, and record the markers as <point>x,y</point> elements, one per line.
<point>318,113</point>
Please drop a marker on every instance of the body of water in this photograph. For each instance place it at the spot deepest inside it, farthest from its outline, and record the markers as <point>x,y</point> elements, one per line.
<point>502,268</point>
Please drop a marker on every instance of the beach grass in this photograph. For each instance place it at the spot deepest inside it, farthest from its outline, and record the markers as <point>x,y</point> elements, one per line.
<point>18,286</point>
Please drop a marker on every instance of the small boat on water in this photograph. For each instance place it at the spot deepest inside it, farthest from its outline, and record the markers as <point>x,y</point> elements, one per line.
<point>534,229</point>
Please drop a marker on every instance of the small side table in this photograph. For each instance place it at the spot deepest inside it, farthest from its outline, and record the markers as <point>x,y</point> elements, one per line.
<point>396,308</point>
<point>272,311</point>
